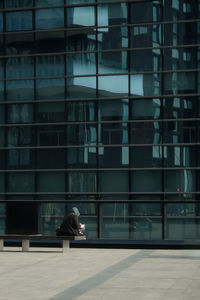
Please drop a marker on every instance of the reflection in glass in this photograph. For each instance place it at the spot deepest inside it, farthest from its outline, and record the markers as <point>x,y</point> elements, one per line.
<point>146,228</point>
<point>20,90</point>
<point>82,182</point>
<point>19,67</point>
<point>81,157</point>
<point>145,60</point>
<point>112,14</point>
<point>182,10</point>
<point>179,132</point>
<point>19,43</point>
<point>145,36</point>
<point>1,21</point>
<point>81,64</point>
<point>50,42</point>
<point>81,87</point>
<point>80,111</point>
<point>50,135</point>
<point>146,181</point>
<point>20,159</point>
<point>180,58</point>
<point>50,112</point>
<point>50,158</point>
<point>50,89</point>
<point>180,181</point>
<point>113,86</point>
<point>178,156</point>
<point>81,16</point>
<point>51,65</point>
<point>145,84</point>
<point>112,133</point>
<point>180,83</point>
<point>146,133</point>
<point>82,134</point>
<point>146,157</point>
<point>20,20</point>
<point>49,2</point>
<point>182,228</point>
<point>113,110</point>
<point>149,11</point>
<point>2,218</point>
<point>83,40</point>
<point>146,108</point>
<point>49,18</point>
<point>113,181</point>
<point>2,98</point>
<point>20,113</point>
<point>112,38</point>
<point>180,107</point>
<point>112,62</point>
<point>180,33</point>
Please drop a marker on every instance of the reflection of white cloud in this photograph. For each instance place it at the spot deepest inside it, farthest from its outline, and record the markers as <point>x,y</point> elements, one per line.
<point>115,84</point>
<point>83,16</point>
<point>85,81</point>
<point>137,85</point>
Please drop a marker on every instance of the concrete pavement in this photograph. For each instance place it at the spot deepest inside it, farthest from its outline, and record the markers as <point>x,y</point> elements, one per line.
<point>86,274</point>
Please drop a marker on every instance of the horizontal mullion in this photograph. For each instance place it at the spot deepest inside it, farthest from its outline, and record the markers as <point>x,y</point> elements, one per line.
<point>103,201</point>
<point>100,51</point>
<point>106,194</point>
<point>129,97</point>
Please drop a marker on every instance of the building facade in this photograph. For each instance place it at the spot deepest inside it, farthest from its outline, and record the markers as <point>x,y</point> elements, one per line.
<point>99,109</point>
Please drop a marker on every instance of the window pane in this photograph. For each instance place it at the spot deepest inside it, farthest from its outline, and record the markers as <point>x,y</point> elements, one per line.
<point>146,109</point>
<point>145,36</point>
<point>79,1</point>
<point>20,113</point>
<point>181,229</point>
<point>20,159</point>
<point>49,42</point>
<point>146,133</point>
<point>81,16</point>
<point>51,159</point>
<point>21,182</point>
<point>80,111</point>
<point>2,218</point>
<point>145,60</point>
<point>51,182</point>
<point>49,2</point>
<point>146,157</point>
<point>18,3</point>
<point>49,18</point>
<point>50,89</point>
<point>19,44</point>
<point>52,65</point>
<point>113,181</point>
<point>113,157</point>
<point>180,156</point>
<point>180,132</point>
<point>113,110</point>
<point>81,157</point>
<point>146,228</point>
<point>81,64</point>
<point>145,84</point>
<point>19,90</point>
<point>82,182</point>
<point>180,181</point>
<point>50,112</point>
<point>146,181</point>
<point>51,135</point>
<point>21,67</point>
<point>180,10</point>
<point>115,228</point>
<point>180,107</point>
<point>85,40</point>
<point>2,96</point>
<point>112,38</point>
<point>112,14</point>
<point>180,83</point>
<point>113,86</point>
<point>149,11</point>
<point>112,62</point>
<point>180,58</point>
<point>177,34</point>
<point>112,133</point>
<point>82,134</point>
<point>1,21</point>
<point>20,136</point>
<point>20,20</point>
<point>81,87</point>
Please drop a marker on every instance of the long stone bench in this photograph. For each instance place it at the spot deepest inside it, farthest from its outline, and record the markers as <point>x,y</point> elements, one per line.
<point>25,239</point>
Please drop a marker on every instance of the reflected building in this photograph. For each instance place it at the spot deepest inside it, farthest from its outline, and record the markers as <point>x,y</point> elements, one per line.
<point>99,109</point>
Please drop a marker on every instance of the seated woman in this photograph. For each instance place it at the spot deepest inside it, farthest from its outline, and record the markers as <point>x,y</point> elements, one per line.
<point>70,225</point>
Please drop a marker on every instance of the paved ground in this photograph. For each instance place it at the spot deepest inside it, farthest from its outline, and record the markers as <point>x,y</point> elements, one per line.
<point>86,274</point>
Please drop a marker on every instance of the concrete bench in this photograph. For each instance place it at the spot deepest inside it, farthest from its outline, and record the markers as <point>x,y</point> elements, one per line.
<point>25,239</point>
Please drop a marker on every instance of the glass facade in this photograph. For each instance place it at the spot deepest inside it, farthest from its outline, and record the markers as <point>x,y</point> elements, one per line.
<point>100,109</point>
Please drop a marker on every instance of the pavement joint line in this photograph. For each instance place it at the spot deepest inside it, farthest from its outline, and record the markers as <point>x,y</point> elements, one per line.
<point>90,283</point>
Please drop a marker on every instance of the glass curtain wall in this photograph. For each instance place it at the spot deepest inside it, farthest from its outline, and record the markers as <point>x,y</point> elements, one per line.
<point>99,109</point>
